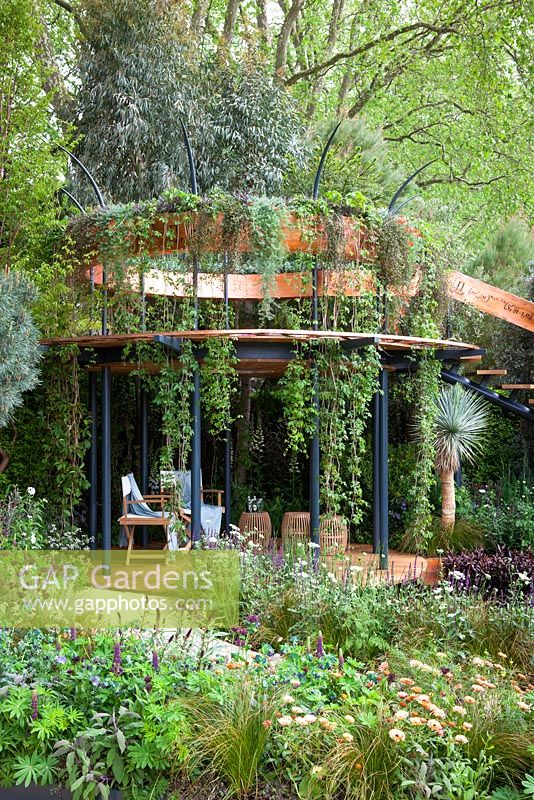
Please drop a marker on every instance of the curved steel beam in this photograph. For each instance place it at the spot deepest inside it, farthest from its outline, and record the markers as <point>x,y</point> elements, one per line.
<point>502,402</point>
<point>72,199</point>
<point>391,208</point>
<point>315,193</point>
<point>191,160</point>
<point>92,181</point>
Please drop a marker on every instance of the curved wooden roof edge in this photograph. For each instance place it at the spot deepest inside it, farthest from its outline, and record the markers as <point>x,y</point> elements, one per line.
<point>383,340</point>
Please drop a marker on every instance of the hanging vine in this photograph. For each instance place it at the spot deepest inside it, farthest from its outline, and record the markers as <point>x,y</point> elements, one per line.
<point>69,431</point>
<point>220,383</point>
<point>295,390</point>
<point>266,215</point>
<point>347,385</point>
<point>424,390</point>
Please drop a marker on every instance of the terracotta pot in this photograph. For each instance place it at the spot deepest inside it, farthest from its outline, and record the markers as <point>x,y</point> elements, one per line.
<point>432,574</point>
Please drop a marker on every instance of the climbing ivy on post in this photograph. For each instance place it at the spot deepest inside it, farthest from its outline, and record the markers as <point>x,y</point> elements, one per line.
<point>68,430</point>
<point>219,383</point>
<point>424,388</point>
<point>295,390</point>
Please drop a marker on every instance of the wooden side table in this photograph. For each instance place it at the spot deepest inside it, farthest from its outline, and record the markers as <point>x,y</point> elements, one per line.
<point>256,526</point>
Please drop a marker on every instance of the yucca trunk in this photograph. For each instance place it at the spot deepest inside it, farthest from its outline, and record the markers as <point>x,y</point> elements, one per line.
<point>448,499</point>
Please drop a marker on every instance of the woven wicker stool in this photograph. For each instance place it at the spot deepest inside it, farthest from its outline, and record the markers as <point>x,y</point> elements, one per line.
<point>296,527</point>
<point>334,535</point>
<point>256,526</point>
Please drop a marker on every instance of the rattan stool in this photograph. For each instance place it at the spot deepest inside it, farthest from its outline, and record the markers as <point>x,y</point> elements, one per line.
<point>256,526</point>
<point>334,535</point>
<point>296,527</point>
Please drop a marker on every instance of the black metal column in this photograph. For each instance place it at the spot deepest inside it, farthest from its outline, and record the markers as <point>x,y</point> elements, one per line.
<point>384,470</point>
<point>228,436</point>
<point>196,459</point>
<point>143,414</point>
<point>93,459</point>
<point>106,458</point>
<point>376,472</point>
<point>315,448</point>
<point>315,466</point>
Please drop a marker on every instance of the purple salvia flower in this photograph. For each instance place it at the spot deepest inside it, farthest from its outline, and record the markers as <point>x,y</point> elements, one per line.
<point>73,634</point>
<point>117,659</point>
<point>148,683</point>
<point>35,704</point>
<point>319,651</point>
<point>155,660</point>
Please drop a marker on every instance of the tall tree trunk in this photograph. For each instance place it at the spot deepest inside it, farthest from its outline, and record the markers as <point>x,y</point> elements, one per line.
<point>448,499</point>
<point>261,18</point>
<point>317,87</point>
<point>199,17</point>
<point>284,36</point>
<point>230,19</point>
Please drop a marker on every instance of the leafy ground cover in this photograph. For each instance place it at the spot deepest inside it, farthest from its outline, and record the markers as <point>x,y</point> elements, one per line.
<point>339,690</point>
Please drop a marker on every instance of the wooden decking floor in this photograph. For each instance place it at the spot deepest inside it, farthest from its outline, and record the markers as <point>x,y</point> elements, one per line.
<point>402,566</point>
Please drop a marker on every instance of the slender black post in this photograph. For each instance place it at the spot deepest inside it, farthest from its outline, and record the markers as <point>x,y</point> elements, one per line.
<point>376,472</point>
<point>104,302</point>
<point>315,448</point>
<point>106,458</point>
<point>196,466</point>
<point>384,471</point>
<point>228,436</point>
<point>93,458</point>
<point>315,466</point>
<point>196,459</point>
<point>143,413</point>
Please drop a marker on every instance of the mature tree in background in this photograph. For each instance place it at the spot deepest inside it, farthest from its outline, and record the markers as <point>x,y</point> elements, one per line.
<point>129,98</point>
<point>138,79</point>
<point>29,171</point>
<point>441,78</point>
<point>506,256</point>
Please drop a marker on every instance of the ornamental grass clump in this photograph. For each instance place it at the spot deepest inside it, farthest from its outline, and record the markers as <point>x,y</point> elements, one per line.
<point>364,764</point>
<point>229,734</point>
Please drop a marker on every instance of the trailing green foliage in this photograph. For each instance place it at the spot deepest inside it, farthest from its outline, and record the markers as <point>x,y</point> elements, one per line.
<point>29,171</point>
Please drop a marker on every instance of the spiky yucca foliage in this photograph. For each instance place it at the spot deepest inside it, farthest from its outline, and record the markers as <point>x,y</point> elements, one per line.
<point>19,343</point>
<point>459,426</point>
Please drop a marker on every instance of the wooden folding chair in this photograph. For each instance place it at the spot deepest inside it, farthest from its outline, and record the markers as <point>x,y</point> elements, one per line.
<point>130,521</point>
